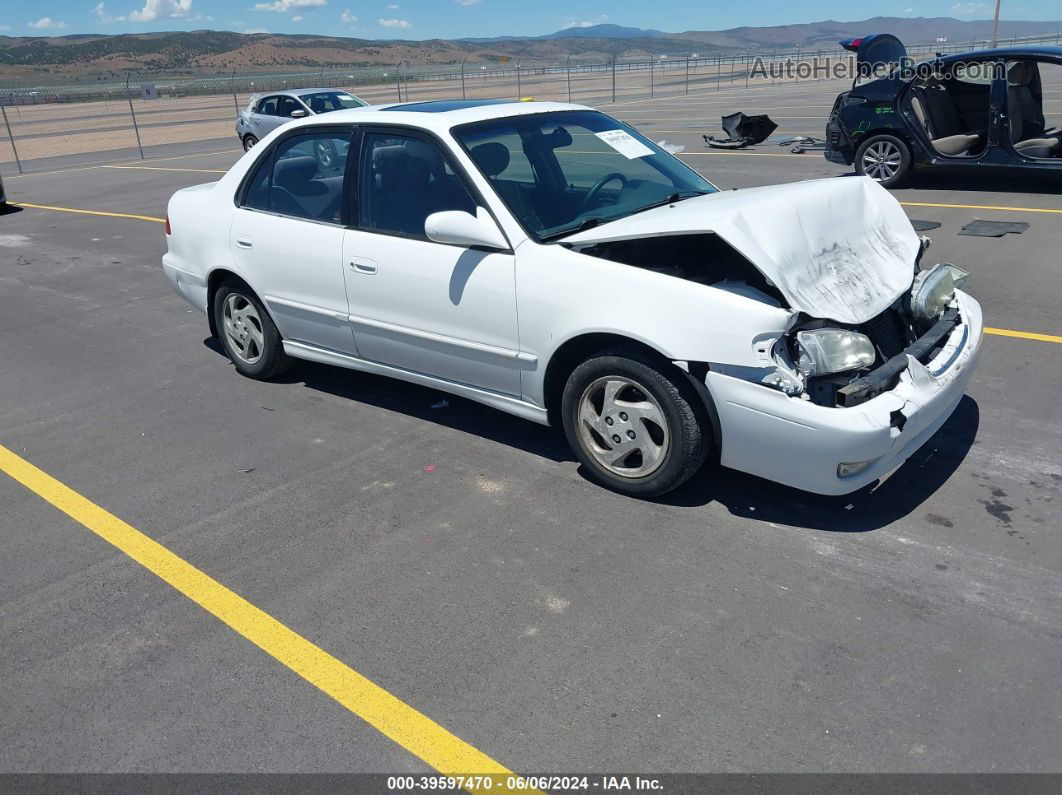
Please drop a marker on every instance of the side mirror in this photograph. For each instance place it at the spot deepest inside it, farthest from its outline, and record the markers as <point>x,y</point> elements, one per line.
<point>298,113</point>
<point>464,229</point>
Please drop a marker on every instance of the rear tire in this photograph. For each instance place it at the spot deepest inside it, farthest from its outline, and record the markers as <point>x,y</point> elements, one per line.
<point>636,426</point>
<point>249,142</point>
<point>884,158</point>
<point>247,333</point>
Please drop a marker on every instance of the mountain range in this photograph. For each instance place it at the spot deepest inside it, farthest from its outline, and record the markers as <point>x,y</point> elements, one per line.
<point>81,57</point>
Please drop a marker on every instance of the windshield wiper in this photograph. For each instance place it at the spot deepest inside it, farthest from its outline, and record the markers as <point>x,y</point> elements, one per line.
<point>582,226</point>
<point>672,199</point>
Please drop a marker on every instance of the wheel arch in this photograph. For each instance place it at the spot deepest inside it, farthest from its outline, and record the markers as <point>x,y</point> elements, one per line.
<point>905,137</point>
<point>219,276</point>
<point>574,351</point>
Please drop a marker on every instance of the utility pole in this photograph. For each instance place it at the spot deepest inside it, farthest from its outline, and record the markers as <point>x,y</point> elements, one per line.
<point>995,27</point>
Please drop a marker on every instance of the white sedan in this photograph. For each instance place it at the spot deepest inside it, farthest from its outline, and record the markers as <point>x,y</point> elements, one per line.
<point>547,260</point>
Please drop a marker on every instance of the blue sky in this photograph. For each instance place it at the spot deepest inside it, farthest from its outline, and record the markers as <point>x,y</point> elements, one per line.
<point>422,19</point>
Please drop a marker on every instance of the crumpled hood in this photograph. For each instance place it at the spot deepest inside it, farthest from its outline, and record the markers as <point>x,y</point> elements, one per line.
<point>839,249</point>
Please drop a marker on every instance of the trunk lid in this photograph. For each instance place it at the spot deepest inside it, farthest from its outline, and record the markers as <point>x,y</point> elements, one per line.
<point>839,249</point>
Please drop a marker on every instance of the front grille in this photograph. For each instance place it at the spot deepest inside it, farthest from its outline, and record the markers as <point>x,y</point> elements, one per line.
<point>886,333</point>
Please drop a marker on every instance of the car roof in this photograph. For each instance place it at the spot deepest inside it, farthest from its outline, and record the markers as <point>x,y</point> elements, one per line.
<point>1003,52</point>
<point>298,92</point>
<point>440,115</point>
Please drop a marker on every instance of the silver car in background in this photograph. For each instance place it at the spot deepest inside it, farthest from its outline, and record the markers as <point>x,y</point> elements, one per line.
<point>265,112</point>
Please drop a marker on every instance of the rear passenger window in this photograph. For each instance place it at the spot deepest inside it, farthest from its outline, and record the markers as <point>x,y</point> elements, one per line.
<point>303,178</point>
<point>257,196</point>
<point>268,106</point>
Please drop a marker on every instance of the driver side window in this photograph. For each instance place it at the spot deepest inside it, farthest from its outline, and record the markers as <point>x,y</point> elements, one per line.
<point>403,181</point>
<point>286,105</point>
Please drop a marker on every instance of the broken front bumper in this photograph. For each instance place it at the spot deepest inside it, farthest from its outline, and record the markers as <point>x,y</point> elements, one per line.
<point>795,442</point>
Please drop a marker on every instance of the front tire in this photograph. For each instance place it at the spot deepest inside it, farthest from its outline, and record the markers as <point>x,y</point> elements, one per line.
<point>885,159</point>
<point>637,427</point>
<point>249,142</point>
<point>247,333</point>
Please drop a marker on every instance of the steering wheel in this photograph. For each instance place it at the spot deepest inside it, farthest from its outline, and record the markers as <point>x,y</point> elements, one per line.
<point>596,189</point>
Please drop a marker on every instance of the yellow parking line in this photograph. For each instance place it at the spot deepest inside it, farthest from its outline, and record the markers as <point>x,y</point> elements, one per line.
<point>92,168</point>
<point>232,151</point>
<point>412,730</point>
<point>982,207</point>
<point>1023,335</point>
<point>163,168</point>
<point>90,212</point>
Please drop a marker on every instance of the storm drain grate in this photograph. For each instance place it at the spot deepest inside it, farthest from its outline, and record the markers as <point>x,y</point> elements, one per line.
<point>993,228</point>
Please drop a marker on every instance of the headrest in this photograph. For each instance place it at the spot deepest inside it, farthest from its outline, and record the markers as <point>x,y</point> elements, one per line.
<point>295,170</point>
<point>492,158</point>
<point>397,166</point>
<point>1021,73</point>
<point>317,105</point>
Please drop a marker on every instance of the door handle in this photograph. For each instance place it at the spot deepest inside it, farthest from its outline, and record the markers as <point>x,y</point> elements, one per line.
<point>362,265</point>
<point>244,242</point>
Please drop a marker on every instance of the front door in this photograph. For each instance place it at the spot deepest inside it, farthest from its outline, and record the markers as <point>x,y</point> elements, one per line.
<point>287,237</point>
<point>442,310</point>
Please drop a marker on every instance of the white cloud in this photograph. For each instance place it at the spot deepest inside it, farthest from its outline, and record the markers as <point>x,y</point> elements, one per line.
<point>395,23</point>
<point>969,9</point>
<point>161,9</point>
<point>467,2</point>
<point>297,18</point>
<point>284,6</point>
<point>392,7</point>
<point>347,18</point>
<point>587,23</point>
<point>103,16</point>
<point>46,23</point>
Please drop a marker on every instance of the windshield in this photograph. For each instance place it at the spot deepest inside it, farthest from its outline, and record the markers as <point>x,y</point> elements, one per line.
<point>560,172</point>
<point>327,101</point>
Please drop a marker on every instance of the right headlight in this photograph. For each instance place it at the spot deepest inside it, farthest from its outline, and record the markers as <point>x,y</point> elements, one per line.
<point>932,291</point>
<point>833,350</point>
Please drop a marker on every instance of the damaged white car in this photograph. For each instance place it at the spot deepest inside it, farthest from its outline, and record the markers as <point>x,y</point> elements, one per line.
<point>550,261</point>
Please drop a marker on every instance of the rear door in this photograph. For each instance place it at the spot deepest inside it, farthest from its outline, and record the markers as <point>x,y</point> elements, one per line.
<point>263,117</point>
<point>287,236</point>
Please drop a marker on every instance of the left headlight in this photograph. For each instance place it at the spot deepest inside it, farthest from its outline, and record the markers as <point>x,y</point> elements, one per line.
<point>833,350</point>
<point>932,291</point>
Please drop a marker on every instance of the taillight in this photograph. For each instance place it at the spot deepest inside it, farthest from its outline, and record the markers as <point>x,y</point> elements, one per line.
<point>168,224</point>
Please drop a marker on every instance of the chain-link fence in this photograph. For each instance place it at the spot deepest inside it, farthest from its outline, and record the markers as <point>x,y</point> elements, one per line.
<point>147,115</point>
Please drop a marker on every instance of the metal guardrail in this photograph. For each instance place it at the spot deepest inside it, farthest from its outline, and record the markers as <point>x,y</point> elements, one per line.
<point>100,120</point>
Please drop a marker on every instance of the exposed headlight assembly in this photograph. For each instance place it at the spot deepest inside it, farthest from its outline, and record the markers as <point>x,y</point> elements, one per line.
<point>833,350</point>
<point>932,291</point>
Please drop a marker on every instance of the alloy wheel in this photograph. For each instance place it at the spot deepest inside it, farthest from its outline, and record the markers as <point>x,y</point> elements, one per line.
<point>243,328</point>
<point>623,427</point>
<point>881,160</point>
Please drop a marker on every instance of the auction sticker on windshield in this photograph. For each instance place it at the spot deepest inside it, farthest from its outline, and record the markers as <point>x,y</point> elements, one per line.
<point>624,143</point>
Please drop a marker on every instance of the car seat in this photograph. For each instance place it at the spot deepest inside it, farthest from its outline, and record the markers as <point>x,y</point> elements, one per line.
<point>298,190</point>
<point>493,159</point>
<point>937,114</point>
<point>1025,118</point>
